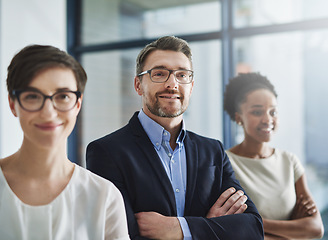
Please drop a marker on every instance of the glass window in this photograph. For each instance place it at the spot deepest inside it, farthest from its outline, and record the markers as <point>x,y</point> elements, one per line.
<point>268,12</point>
<point>296,64</point>
<point>204,115</point>
<point>110,98</point>
<point>106,21</point>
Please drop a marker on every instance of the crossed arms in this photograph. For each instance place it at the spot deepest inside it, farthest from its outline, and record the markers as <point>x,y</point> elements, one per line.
<point>157,226</point>
<point>212,205</point>
<point>305,221</point>
<point>150,216</point>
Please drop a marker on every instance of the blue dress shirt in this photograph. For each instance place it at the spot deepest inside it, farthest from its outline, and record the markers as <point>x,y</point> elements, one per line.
<point>174,163</point>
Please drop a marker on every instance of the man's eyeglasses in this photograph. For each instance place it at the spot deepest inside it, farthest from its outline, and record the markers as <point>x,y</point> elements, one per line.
<point>32,100</point>
<point>160,75</point>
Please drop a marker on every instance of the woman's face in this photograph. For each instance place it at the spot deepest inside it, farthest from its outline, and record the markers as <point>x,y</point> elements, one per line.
<point>258,115</point>
<point>48,127</point>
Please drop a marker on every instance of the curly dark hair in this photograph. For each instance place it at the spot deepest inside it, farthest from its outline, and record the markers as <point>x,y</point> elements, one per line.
<point>238,88</point>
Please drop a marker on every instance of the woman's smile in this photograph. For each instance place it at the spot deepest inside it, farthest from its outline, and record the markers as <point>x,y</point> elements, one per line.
<point>48,126</point>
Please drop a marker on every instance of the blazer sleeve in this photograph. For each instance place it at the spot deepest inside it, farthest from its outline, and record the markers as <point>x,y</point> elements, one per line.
<point>245,226</point>
<point>100,163</point>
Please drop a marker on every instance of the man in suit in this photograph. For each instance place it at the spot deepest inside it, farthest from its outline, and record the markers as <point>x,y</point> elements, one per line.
<point>175,183</point>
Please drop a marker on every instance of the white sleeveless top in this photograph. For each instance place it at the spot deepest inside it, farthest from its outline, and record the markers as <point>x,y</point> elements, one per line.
<point>269,182</point>
<point>89,208</point>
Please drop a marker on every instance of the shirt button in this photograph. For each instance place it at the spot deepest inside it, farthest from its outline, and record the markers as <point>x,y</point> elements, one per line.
<point>169,154</point>
<point>177,190</point>
<point>172,161</point>
<point>165,134</point>
<point>157,144</point>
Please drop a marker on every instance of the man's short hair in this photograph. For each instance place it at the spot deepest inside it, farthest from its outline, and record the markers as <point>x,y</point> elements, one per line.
<point>164,43</point>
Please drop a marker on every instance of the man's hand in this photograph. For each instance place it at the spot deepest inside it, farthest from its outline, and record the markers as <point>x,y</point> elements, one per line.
<point>230,202</point>
<point>156,226</point>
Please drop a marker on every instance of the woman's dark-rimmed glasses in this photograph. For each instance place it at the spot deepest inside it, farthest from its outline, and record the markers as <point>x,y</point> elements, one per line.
<point>33,100</point>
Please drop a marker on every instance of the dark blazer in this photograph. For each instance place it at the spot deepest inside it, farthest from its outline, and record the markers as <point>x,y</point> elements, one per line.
<point>128,159</point>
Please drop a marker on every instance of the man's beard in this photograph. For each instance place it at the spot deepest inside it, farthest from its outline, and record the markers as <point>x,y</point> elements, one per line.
<point>159,111</point>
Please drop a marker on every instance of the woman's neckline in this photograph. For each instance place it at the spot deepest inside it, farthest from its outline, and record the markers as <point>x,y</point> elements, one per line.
<point>41,205</point>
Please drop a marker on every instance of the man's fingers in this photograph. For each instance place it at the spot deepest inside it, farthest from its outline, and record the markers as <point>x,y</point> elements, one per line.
<point>235,202</point>
<point>224,197</point>
<point>232,199</point>
<point>230,202</point>
<point>241,209</point>
<point>217,210</point>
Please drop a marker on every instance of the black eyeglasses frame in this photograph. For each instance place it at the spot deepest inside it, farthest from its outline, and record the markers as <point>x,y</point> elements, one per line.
<point>170,72</point>
<point>17,93</point>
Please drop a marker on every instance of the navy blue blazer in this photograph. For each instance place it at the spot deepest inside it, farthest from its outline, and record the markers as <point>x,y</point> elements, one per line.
<point>128,159</point>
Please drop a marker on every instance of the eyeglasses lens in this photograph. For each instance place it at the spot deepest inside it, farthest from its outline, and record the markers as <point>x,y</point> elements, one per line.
<point>34,101</point>
<point>161,75</point>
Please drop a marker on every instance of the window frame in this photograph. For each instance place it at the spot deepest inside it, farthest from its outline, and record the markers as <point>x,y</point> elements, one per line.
<point>227,35</point>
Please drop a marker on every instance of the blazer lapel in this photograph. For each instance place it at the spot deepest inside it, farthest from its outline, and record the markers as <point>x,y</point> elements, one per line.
<point>192,166</point>
<point>142,140</point>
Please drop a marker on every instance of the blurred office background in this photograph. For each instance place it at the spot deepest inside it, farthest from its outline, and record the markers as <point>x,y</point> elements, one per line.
<point>285,40</point>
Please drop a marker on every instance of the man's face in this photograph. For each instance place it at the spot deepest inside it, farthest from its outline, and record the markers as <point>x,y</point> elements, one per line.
<point>167,99</point>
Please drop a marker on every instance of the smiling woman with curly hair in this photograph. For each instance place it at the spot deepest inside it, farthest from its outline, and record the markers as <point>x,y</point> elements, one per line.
<point>273,178</point>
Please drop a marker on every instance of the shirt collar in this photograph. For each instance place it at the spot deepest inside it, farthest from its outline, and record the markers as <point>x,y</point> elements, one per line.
<point>156,132</point>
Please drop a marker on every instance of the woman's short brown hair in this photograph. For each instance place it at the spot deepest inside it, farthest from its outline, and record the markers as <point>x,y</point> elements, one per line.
<point>33,59</point>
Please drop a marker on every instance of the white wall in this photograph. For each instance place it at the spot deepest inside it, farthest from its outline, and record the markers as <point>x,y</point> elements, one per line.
<point>22,23</point>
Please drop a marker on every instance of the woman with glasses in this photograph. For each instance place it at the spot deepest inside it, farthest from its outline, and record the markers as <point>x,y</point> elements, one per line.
<point>43,195</point>
<point>274,179</point>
